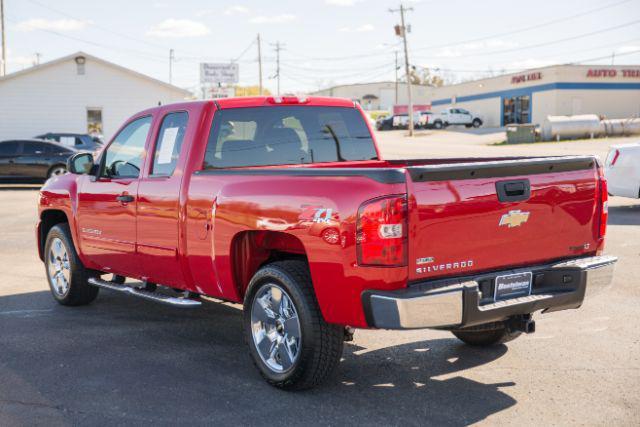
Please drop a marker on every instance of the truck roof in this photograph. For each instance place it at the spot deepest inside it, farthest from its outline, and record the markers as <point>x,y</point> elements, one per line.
<point>262,101</point>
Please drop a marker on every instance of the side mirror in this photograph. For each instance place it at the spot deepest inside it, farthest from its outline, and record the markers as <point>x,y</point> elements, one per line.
<point>80,163</point>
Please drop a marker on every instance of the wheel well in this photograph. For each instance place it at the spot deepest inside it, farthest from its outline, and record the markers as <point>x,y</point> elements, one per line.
<point>250,250</point>
<point>48,219</point>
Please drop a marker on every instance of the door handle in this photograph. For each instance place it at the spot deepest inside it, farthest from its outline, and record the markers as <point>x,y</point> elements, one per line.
<point>125,198</point>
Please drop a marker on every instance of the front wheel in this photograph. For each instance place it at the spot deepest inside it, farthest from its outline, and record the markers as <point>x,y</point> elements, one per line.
<point>486,335</point>
<point>289,341</point>
<point>66,275</point>
<point>57,171</point>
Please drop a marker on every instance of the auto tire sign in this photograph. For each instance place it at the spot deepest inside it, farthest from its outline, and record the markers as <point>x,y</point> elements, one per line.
<point>218,73</point>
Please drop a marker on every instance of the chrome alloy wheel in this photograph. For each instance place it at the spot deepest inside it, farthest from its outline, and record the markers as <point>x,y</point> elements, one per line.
<point>59,267</point>
<point>275,328</point>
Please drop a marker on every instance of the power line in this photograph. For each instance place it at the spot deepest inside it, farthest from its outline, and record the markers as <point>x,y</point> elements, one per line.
<point>487,37</point>
<point>525,29</point>
<point>94,25</point>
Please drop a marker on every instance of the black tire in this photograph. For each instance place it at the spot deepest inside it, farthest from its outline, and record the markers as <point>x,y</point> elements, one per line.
<point>477,123</point>
<point>76,291</point>
<point>486,335</point>
<point>438,125</point>
<point>321,343</point>
<point>56,170</point>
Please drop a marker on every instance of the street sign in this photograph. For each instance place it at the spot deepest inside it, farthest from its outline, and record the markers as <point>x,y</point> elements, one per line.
<point>221,92</point>
<point>218,73</point>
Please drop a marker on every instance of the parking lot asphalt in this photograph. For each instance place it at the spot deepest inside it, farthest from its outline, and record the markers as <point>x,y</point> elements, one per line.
<point>125,361</point>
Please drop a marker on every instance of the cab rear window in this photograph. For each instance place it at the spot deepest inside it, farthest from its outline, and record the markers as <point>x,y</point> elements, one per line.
<point>283,135</point>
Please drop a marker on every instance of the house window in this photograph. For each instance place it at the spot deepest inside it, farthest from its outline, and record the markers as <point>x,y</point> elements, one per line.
<point>94,121</point>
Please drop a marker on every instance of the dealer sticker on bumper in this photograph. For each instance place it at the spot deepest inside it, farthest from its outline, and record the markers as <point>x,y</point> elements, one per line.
<point>512,286</point>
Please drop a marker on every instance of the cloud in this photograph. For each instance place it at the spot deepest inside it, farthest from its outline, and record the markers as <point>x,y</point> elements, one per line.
<point>469,48</point>
<point>528,64</point>
<point>342,3</point>
<point>55,25</point>
<point>229,11</point>
<point>361,29</point>
<point>273,19</point>
<point>234,10</point>
<point>177,28</point>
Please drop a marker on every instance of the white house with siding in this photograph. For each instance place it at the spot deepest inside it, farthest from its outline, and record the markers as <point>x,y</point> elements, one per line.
<point>78,93</point>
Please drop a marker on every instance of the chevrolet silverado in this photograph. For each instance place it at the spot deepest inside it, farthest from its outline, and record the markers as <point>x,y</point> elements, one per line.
<point>285,205</point>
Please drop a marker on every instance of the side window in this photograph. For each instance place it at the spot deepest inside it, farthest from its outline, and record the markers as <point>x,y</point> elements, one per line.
<point>9,148</point>
<point>123,158</point>
<point>34,148</point>
<point>169,143</point>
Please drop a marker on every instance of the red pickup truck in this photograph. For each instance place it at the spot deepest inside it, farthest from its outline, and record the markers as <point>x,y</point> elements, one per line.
<point>285,205</point>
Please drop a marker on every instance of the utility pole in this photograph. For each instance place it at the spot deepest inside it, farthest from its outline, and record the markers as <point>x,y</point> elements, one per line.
<point>3,64</point>
<point>171,59</point>
<point>403,34</point>
<point>259,65</point>
<point>396,53</point>
<point>613,57</point>
<point>37,55</point>
<point>278,48</point>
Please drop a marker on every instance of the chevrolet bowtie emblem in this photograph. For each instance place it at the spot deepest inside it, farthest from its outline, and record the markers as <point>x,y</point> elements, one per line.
<point>514,218</point>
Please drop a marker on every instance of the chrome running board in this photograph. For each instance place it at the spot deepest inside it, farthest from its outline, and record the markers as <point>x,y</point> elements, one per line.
<point>148,295</point>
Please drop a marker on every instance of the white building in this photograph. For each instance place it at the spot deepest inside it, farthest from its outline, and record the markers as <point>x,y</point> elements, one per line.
<point>530,96</point>
<point>378,95</point>
<point>524,97</point>
<point>79,93</point>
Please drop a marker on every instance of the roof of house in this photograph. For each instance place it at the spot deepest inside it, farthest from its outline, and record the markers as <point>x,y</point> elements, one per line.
<point>96,59</point>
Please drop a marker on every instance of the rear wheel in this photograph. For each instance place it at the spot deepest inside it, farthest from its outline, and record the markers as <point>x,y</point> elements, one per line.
<point>477,123</point>
<point>486,335</point>
<point>66,275</point>
<point>437,125</point>
<point>289,341</point>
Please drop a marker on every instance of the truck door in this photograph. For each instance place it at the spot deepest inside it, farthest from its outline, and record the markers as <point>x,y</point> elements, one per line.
<point>107,203</point>
<point>159,203</point>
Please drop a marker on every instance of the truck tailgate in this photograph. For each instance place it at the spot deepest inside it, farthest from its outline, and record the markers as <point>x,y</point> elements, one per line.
<point>482,216</point>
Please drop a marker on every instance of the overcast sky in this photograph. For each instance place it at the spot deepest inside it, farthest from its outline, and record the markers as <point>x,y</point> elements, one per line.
<point>326,41</point>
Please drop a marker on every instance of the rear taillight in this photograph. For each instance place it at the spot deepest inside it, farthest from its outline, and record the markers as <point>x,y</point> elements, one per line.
<point>604,207</point>
<point>382,232</point>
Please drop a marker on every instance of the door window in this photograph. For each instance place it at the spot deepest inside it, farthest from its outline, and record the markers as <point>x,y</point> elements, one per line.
<point>123,158</point>
<point>9,148</point>
<point>34,148</point>
<point>169,143</point>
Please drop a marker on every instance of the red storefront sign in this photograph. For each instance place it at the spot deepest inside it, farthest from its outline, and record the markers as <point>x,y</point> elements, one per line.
<point>612,72</point>
<point>521,78</point>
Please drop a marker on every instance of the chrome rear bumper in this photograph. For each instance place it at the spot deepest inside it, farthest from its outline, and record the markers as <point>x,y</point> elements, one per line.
<point>461,302</point>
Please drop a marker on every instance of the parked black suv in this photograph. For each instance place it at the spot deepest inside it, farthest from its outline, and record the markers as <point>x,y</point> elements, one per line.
<point>33,159</point>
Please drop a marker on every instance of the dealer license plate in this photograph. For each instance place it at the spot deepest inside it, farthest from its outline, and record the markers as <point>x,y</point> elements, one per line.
<point>512,286</point>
